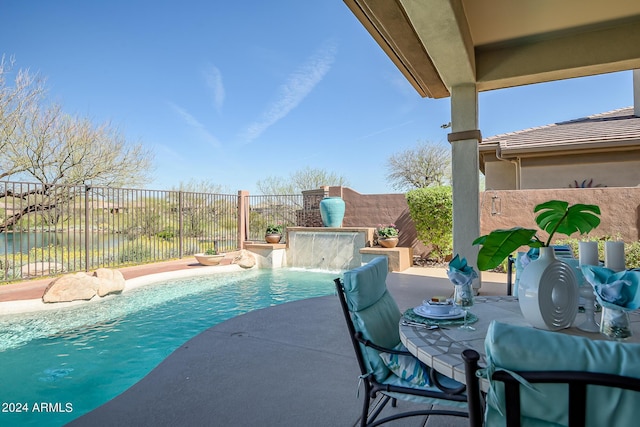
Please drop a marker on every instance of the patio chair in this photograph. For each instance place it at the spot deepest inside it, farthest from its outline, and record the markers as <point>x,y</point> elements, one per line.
<point>592,383</point>
<point>372,318</point>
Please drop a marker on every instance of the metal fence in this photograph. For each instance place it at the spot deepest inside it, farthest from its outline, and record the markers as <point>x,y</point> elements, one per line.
<point>286,210</point>
<point>48,229</point>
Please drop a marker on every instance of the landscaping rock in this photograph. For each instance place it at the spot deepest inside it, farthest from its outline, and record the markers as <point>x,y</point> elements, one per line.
<point>245,259</point>
<point>82,286</point>
<point>109,281</point>
<point>71,287</point>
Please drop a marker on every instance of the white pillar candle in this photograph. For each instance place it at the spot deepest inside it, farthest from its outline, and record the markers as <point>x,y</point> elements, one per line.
<point>588,253</point>
<point>614,256</point>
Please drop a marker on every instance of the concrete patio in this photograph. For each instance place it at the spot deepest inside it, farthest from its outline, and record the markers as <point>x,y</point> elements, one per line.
<point>288,365</point>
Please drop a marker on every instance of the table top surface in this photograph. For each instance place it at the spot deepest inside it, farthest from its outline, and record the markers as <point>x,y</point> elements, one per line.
<point>441,349</point>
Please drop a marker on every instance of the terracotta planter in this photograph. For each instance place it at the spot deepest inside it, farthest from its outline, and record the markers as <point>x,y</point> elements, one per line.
<point>209,259</point>
<point>389,242</point>
<point>273,238</point>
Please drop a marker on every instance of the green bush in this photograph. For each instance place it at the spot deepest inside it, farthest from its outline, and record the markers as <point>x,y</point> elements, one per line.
<point>632,254</point>
<point>167,234</point>
<point>134,253</point>
<point>431,209</point>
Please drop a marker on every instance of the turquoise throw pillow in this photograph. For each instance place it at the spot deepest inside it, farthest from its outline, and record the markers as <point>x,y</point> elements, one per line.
<point>406,367</point>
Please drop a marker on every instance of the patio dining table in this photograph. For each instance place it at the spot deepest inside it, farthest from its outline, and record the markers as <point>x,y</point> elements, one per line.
<point>441,348</point>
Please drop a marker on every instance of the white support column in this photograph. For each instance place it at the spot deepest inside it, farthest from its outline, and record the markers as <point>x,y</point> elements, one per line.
<point>464,140</point>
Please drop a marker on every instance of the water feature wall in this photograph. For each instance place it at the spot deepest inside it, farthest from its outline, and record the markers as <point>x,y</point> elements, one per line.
<point>327,248</point>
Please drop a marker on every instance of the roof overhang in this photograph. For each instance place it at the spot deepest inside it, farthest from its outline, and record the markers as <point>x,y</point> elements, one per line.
<point>494,44</point>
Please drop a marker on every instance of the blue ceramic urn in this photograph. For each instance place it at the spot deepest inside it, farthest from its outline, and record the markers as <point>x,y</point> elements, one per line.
<point>332,211</point>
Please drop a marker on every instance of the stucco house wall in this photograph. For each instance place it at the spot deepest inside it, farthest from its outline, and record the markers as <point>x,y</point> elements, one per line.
<point>597,151</point>
<point>499,175</point>
<point>596,170</point>
<point>620,209</point>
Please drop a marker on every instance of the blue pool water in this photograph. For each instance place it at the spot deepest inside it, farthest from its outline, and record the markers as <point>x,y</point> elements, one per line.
<point>57,365</point>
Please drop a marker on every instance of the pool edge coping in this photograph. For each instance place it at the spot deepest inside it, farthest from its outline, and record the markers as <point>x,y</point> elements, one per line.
<point>34,305</point>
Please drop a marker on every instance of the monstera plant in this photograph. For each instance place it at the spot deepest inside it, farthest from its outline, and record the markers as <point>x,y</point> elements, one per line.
<point>555,216</point>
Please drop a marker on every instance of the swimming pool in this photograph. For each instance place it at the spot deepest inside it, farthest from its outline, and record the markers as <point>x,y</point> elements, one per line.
<point>57,365</point>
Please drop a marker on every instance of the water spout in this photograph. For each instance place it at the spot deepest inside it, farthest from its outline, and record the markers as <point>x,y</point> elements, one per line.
<point>326,249</point>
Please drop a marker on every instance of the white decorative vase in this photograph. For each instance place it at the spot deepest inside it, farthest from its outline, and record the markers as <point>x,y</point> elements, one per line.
<point>548,292</point>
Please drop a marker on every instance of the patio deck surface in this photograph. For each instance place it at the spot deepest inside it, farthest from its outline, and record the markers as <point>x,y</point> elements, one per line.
<point>287,365</point>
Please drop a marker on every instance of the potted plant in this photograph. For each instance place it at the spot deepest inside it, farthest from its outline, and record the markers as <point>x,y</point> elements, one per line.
<point>555,216</point>
<point>273,233</point>
<point>387,235</point>
<point>209,257</point>
<point>548,290</point>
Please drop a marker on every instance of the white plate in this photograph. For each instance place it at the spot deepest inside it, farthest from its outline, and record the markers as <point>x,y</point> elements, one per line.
<point>423,311</point>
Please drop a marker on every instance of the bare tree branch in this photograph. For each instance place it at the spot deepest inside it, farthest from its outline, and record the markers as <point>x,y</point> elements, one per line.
<point>41,143</point>
<point>426,165</point>
<point>303,179</point>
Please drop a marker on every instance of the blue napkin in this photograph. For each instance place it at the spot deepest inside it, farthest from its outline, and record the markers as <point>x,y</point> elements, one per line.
<point>531,255</point>
<point>460,273</point>
<point>618,291</point>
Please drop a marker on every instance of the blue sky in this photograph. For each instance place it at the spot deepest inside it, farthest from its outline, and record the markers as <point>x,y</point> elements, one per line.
<point>233,92</point>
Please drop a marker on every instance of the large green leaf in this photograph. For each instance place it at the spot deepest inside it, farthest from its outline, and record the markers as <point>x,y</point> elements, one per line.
<point>499,244</point>
<point>557,217</point>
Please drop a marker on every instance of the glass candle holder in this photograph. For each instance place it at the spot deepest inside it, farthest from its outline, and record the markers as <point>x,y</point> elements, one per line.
<point>615,324</point>
<point>463,295</point>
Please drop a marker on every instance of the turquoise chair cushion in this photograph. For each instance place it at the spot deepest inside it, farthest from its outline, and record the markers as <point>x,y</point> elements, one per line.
<point>406,367</point>
<point>374,312</point>
<point>517,348</point>
<point>365,285</point>
<point>378,324</point>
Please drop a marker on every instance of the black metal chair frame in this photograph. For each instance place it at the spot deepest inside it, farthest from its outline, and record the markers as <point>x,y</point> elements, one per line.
<point>373,387</point>
<point>576,380</point>
<point>510,262</point>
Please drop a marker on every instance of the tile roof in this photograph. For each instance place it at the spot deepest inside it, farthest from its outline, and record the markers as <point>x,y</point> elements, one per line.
<point>617,128</point>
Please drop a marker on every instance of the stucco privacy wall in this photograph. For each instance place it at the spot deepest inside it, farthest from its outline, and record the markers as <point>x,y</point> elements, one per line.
<point>620,209</point>
<point>369,210</point>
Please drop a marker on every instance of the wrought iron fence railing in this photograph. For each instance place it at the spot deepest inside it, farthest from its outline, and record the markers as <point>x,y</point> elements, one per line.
<point>50,229</point>
<point>285,210</point>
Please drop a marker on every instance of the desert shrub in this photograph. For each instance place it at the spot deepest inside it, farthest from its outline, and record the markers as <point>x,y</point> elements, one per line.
<point>632,254</point>
<point>573,243</point>
<point>167,234</point>
<point>133,253</point>
<point>431,210</point>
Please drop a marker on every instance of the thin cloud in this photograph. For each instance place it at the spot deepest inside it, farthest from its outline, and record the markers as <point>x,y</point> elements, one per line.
<point>387,129</point>
<point>298,85</point>
<point>196,125</point>
<point>213,79</point>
